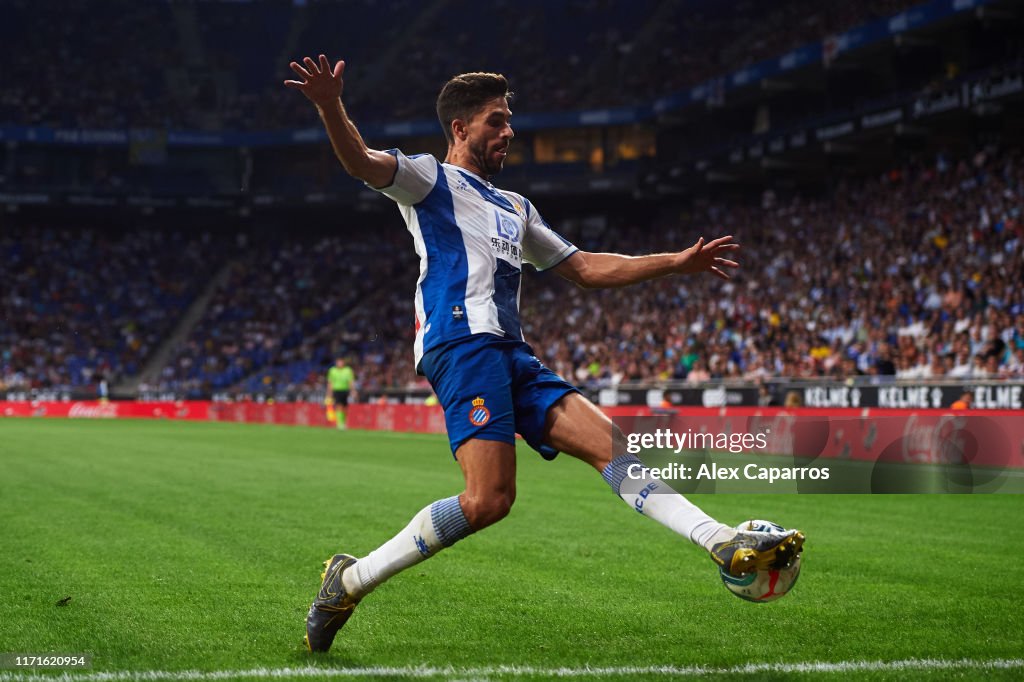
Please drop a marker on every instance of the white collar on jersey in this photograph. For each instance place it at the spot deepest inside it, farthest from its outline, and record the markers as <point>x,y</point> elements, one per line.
<point>487,183</point>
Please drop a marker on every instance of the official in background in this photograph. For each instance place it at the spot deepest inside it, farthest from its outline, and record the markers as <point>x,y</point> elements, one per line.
<point>340,381</point>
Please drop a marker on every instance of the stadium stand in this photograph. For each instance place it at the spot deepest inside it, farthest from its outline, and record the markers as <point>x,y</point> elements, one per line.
<point>58,75</point>
<point>287,308</point>
<point>901,260</point>
<point>218,65</point>
<point>80,304</point>
<point>689,43</point>
<point>943,266</point>
<point>937,294</point>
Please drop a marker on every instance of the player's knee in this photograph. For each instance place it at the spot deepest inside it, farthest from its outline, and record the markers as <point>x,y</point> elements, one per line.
<point>486,510</point>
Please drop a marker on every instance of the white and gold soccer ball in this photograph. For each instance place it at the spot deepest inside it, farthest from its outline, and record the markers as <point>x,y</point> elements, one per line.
<point>763,586</point>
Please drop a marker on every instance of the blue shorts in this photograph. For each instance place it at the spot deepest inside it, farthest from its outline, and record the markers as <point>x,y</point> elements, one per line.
<point>492,388</point>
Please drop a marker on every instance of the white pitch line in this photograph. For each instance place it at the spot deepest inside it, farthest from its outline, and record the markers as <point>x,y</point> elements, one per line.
<point>428,672</point>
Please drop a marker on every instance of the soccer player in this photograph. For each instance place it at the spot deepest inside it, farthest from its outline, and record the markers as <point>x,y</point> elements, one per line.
<point>472,239</point>
<point>340,379</point>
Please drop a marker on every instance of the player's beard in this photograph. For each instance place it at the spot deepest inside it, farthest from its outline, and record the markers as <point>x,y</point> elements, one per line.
<point>484,160</point>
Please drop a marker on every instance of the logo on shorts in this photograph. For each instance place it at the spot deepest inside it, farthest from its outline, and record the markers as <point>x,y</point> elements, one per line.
<point>478,414</point>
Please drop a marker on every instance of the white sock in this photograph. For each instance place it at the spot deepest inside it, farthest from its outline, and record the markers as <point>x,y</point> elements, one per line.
<point>435,527</point>
<point>655,499</point>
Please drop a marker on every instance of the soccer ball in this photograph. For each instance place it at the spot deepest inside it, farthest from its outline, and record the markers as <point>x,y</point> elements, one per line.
<point>762,586</point>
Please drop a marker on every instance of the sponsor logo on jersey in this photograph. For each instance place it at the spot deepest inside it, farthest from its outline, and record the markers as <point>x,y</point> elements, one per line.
<point>503,247</point>
<point>479,414</point>
<point>507,227</point>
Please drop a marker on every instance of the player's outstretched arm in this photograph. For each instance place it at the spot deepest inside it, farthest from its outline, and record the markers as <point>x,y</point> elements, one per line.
<point>323,87</point>
<point>603,270</point>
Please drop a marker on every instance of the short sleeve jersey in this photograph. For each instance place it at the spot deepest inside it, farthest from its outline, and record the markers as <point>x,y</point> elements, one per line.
<point>472,239</point>
<point>340,378</point>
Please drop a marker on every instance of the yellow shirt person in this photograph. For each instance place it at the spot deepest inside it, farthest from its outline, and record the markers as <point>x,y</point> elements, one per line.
<point>340,381</point>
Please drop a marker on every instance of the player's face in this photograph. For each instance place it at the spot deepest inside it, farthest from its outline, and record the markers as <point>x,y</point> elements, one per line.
<point>490,131</point>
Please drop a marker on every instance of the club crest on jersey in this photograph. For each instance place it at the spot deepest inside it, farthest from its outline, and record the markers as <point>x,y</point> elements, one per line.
<point>507,227</point>
<point>478,414</point>
<point>519,208</point>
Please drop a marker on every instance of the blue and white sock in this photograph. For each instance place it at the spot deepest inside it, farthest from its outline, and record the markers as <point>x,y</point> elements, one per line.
<point>435,527</point>
<point>657,500</point>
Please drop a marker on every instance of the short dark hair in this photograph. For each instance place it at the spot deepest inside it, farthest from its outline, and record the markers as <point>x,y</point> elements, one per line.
<point>463,95</point>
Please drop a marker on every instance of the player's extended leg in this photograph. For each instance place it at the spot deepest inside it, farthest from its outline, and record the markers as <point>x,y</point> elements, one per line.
<point>489,468</point>
<point>577,427</point>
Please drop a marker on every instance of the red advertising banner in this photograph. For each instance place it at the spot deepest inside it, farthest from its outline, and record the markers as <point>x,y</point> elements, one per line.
<point>403,418</point>
<point>296,414</point>
<point>990,437</point>
<point>179,409</point>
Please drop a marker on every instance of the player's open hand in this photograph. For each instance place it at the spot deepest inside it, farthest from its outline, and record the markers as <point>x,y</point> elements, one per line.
<point>709,257</point>
<point>319,83</point>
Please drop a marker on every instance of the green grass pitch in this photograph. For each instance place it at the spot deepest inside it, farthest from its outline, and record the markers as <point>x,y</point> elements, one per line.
<point>197,547</point>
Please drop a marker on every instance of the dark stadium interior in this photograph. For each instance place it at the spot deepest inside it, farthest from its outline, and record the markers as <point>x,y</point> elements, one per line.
<point>173,221</point>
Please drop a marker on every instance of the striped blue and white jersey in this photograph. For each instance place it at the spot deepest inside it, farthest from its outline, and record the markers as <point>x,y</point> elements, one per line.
<point>472,239</point>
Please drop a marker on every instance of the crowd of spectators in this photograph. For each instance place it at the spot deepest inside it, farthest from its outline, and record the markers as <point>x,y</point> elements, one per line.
<point>219,65</point>
<point>63,68</point>
<point>81,306</point>
<point>686,47</point>
<point>646,48</point>
<point>914,274</point>
<point>284,311</point>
